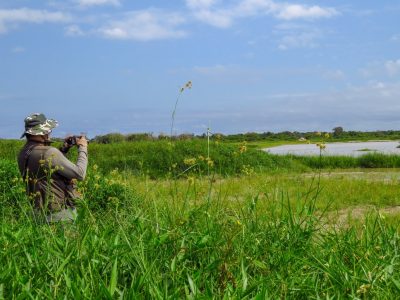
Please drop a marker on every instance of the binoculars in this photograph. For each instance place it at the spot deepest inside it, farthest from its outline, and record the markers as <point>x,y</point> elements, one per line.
<point>71,140</point>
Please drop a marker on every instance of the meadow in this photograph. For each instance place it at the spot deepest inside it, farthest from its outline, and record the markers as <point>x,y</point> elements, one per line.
<point>188,219</point>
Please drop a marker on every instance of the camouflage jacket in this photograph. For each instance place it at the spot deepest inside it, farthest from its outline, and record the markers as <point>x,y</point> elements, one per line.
<point>49,175</point>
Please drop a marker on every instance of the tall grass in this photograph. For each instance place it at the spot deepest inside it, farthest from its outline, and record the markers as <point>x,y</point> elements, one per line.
<point>188,245</point>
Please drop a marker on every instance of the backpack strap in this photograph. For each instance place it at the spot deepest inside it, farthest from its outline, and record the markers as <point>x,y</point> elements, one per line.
<point>26,159</point>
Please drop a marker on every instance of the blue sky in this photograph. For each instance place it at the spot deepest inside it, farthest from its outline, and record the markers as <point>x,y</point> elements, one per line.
<point>101,66</point>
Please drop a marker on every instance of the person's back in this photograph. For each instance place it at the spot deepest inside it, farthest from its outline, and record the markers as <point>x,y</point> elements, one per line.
<point>48,174</point>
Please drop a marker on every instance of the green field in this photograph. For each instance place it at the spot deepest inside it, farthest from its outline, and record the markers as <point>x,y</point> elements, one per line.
<point>194,220</point>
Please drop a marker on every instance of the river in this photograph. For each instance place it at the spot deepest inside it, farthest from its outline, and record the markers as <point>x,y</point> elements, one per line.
<point>349,148</point>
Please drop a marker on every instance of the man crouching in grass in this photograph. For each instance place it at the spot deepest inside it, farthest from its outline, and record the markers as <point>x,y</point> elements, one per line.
<point>48,174</point>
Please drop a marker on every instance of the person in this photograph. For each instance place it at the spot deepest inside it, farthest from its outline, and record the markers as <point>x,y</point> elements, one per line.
<point>49,176</point>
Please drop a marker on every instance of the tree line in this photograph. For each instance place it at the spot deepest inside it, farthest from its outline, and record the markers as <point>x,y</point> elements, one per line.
<point>337,133</point>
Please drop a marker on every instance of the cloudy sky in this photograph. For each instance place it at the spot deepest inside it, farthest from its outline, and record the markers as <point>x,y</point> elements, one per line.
<point>101,66</point>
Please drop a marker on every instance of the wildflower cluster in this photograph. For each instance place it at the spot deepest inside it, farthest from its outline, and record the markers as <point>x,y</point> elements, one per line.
<point>247,170</point>
<point>188,85</point>
<point>198,163</point>
<point>189,161</point>
<point>243,147</point>
<point>102,191</point>
<point>322,144</point>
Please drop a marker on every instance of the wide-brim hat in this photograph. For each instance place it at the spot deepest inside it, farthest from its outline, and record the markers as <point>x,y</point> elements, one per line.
<point>38,124</point>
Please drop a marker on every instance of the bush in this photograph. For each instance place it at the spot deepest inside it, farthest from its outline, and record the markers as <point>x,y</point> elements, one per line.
<point>110,138</point>
<point>103,192</point>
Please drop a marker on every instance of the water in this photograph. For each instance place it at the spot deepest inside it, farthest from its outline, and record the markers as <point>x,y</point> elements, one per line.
<point>349,149</point>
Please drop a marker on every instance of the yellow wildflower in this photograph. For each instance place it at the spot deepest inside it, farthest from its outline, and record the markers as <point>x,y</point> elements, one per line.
<point>114,172</point>
<point>247,170</point>
<point>363,289</point>
<point>210,163</point>
<point>189,161</point>
<point>190,180</point>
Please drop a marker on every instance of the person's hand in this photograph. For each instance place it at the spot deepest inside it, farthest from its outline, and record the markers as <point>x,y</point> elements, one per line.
<point>82,141</point>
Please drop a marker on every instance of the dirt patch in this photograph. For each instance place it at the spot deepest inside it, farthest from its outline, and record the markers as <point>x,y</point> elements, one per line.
<point>342,218</point>
<point>386,177</point>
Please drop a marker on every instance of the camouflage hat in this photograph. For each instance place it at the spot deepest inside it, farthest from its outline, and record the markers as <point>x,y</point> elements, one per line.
<point>38,124</point>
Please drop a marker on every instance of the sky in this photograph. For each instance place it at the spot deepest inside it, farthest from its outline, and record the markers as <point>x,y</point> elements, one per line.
<point>101,66</point>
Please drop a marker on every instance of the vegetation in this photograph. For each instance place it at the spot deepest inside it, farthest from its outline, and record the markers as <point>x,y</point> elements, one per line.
<point>337,134</point>
<point>237,223</point>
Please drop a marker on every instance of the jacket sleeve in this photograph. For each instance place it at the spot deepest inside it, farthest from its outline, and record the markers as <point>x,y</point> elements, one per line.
<point>66,168</point>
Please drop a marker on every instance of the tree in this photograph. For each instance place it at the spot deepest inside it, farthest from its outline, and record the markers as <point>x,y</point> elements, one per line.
<point>337,131</point>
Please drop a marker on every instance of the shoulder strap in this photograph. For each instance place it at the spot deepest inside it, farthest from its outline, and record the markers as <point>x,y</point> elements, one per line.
<point>26,159</point>
<point>27,156</point>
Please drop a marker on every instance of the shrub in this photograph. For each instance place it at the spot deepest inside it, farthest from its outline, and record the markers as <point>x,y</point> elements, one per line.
<point>103,192</point>
<point>110,138</point>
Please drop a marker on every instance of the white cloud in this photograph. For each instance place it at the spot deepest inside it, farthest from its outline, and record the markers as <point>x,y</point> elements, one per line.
<point>74,30</point>
<point>381,69</point>
<point>334,75</point>
<point>214,70</point>
<point>395,38</point>
<point>219,18</point>
<point>369,107</point>
<point>392,67</point>
<point>300,40</point>
<point>202,4</point>
<point>3,28</point>
<point>232,74</point>
<point>223,17</point>
<point>297,36</point>
<point>144,26</point>
<point>18,49</point>
<point>13,17</point>
<point>87,3</point>
<point>295,11</point>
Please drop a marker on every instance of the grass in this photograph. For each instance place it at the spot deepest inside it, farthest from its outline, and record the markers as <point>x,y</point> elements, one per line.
<point>181,246</point>
<point>245,233</point>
